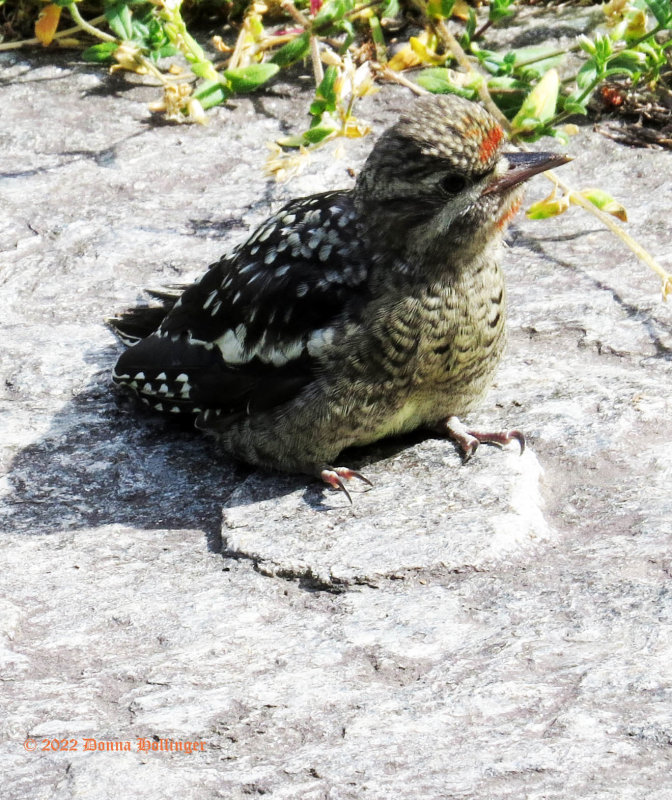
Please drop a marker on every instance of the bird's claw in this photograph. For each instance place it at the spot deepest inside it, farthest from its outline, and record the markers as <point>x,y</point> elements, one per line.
<point>334,477</point>
<point>468,441</point>
<point>501,438</point>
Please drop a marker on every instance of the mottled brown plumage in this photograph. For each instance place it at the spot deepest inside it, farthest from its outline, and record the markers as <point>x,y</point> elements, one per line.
<point>350,316</point>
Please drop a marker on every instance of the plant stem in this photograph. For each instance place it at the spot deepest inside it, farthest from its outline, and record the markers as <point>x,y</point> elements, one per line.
<point>552,54</point>
<point>609,222</point>
<point>396,77</point>
<point>60,35</point>
<point>318,71</point>
<point>87,26</point>
<point>359,9</point>
<point>657,29</point>
<point>289,7</point>
<point>484,27</point>
<point>234,61</point>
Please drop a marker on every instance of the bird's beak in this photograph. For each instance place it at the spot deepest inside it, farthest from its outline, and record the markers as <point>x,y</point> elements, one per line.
<point>523,166</point>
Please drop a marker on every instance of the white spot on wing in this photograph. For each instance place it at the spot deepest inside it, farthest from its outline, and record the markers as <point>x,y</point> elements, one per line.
<point>232,345</point>
<point>293,350</point>
<point>319,340</point>
<point>281,355</point>
<point>210,298</point>
<point>315,240</point>
<point>312,217</point>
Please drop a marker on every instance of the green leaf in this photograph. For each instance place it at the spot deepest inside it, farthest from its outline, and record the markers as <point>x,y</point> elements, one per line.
<point>390,9</point>
<point>378,36</point>
<point>247,79</point>
<point>326,89</point>
<point>100,52</point>
<point>291,141</point>
<point>661,10</point>
<point>194,51</point>
<point>318,133</point>
<point>312,136</point>
<point>202,69</point>
<point>536,60</point>
<point>440,9</point>
<point>509,93</point>
<point>349,28</point>
<point>469,29</point>
<point>603,49</point>
<point>120,20</point>
<point>500,9</point>
<point>293,51</point>
<point>317,108</point>
<point>211,93</point>
<point>437,80</point>
<point>140,30</point>
<point>574,107</point>
<point>167,51</point>
<point>548,207</point>
<point>628,61</point>
<point>331,11</point>
<point>539,105</point>
<point>587,75</point>
<point>605,202</point>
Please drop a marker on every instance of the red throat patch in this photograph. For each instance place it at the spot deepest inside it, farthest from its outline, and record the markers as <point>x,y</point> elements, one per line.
<point>490,144</point>
<point>507,216</point>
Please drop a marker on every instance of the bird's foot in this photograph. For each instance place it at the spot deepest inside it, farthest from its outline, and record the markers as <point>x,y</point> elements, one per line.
<point>468,441</point>
<point>334,476</point>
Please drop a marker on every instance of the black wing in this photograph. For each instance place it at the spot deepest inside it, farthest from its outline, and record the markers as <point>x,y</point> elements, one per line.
<point>248,335</point>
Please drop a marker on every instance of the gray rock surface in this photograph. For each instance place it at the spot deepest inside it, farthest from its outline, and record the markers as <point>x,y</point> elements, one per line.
<point>496,630</point>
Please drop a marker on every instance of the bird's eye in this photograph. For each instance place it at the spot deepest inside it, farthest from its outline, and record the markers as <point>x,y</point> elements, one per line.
<point>453,183</point>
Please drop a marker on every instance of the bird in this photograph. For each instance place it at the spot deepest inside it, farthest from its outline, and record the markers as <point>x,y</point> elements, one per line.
<point>353,315</point>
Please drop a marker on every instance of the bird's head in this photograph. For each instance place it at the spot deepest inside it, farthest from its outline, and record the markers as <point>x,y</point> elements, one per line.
<point>443,180</point>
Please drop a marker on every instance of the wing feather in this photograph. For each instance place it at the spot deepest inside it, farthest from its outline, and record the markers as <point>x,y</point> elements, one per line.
<point>249,334</point>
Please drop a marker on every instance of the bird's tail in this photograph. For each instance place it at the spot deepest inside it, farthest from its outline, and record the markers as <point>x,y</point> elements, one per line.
<point>137,323</point>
